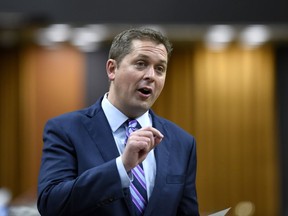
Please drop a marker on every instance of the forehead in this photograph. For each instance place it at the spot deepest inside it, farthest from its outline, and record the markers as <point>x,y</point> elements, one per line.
<point>149,48</point>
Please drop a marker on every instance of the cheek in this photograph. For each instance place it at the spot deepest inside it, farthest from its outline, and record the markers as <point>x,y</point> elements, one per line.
<point>123,82</point>
<point>160,84</point>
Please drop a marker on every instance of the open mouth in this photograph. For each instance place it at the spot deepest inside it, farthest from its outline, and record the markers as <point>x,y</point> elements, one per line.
<point>145,91</point>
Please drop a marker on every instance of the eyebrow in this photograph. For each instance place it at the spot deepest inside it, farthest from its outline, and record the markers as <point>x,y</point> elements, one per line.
<point>148,57</point>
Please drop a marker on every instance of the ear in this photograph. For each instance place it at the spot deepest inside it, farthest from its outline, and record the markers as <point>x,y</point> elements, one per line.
<point>111,67</point>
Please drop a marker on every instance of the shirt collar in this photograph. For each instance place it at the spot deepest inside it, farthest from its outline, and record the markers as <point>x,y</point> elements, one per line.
<point>116,118</point>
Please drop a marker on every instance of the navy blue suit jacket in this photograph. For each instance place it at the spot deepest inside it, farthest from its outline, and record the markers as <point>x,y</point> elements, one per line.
<point>79,176</point>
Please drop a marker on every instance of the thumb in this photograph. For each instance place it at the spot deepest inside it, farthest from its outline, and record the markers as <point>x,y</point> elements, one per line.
<point>158,139</point>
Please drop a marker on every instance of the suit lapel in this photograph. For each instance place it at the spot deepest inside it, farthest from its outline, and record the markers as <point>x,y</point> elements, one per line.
<point>162,156</point>
<point>100,132</point>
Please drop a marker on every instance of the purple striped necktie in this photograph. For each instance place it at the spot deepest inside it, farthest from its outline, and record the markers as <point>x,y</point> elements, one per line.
<point>138,186</point>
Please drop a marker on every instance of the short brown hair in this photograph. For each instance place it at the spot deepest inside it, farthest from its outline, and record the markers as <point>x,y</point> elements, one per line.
<point>121,45</point>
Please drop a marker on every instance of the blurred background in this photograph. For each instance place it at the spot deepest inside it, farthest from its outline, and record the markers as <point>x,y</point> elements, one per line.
<point>226,84</point>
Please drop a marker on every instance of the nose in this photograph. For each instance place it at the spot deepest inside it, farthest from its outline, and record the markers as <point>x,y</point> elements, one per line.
<point>150,73</point>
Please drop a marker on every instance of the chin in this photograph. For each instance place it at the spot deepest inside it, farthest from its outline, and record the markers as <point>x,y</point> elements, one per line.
<point>140,110</point>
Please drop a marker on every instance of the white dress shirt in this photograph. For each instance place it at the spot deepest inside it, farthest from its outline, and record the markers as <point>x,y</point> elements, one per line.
<point>116,121</point>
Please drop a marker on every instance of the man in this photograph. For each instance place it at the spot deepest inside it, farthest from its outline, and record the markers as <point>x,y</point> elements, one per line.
<point>90,156</point>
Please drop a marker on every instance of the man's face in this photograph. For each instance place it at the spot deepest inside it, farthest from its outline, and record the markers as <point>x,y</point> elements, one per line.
<point>139,79</point>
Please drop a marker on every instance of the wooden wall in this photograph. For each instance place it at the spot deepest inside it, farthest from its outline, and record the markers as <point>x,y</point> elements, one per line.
<point>9,119</point>
<point>36,84</point>
<point>226,99</point>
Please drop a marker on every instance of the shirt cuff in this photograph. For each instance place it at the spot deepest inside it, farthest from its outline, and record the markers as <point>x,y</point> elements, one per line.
<point>126,178</point>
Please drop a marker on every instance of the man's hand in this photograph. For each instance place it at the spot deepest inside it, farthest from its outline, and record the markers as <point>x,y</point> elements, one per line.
<point>139,144</point>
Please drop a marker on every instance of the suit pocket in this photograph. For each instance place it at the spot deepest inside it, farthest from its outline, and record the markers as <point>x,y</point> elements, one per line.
<point>175,179</point>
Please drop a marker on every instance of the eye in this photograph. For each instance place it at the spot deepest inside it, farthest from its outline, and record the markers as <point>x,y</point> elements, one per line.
<point>160,69</point>
<point>140,65</point>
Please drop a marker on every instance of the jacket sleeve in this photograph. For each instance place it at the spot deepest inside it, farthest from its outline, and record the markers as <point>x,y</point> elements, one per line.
<point>62,189</point>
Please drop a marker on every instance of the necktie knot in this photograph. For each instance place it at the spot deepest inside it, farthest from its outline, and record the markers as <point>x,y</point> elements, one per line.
<point>131,127</point>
